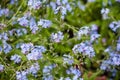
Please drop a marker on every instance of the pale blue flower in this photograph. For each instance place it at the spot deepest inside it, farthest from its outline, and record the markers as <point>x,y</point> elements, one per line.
<point>34,4</point>
<point>16,58</point>
<point>33,25</point>
<point>48,77</point>
<point>57,37</point>
<point>4,36</point>
<point>67,78</point>
<point>114,25</point>
<point>75,72</point>
<point>22,75</point>
<point>6,47</point>
<point>34,68</point>
<point>104,12</point>
<point>4,12</point>
<point>93,37</point>
<point>25,48</point>
<point>83,31</point>
<point>36,53</point>
<point>1,67</point>
<point>85,48</point>
<point>68,59</point>
<point>44,23</point>
<point>23,21</point>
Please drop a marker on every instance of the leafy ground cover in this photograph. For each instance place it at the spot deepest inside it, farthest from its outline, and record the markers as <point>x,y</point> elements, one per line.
<point>59,39</point>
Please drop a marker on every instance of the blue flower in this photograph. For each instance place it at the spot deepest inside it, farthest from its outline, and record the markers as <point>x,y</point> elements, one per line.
<point>44,23</point>
<point>118,44</point>
<point>36,53</point>
<point>26,47</point>
<point>23,21</point>
<point>4,36</point>
<point>68,59</point>
<point>93,37</point>
<point>104,12</point>
<point>34,69</point>
<point>1,67</point>
<point>33,25</point>
<point>67,78</point>
<point>16,58</point>
<point>22,75</point>
<point>85,48</point>
<point>61,6</point>
<point>57,37</point>
<point>34,4</point>
<point>75,72</point>
<point>47,69</point>
<point>48,77</point>
<point>114,25</point>
<point>4,12</point>
<point>83,31</point>
<point>6,47</point>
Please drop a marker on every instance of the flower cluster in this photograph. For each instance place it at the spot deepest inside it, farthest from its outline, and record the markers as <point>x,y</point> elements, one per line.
<point>57,37</point>
<point>29,21</point>
<point>33,46</point>
<point>16,58</point>
<point>114,25</point>
<point>68,59</point>
<point>4,36</point>
<point>89,31</point>
<point>113,60</point>
<point>47,72</point>
<point>36,53</point>
<point>76,72</point>
<point>4,12</point>
<point>22,75</point>
<point>23,21</point>
<point>6,47</point>
<point>33,52</point>
<point>17,32</point>
<point>34,69</point>
<point>85,48</point>
<point>25,48</point>
<point>44,23</point>
<point>34,4</point>
<point>61,5</point>
<point>118,45</point>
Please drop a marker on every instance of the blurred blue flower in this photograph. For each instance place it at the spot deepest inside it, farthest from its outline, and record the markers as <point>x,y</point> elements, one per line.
<point>4,36</point>
<point>85,48</point>
<point>6,47</point>
<point>4,12</point>
<point>34,4</point>
<point>1,67</point>
<point>26,47</point>
<point>44,23</point>
<point>48,77</point>
<point>57,37</point>
<point>67,59</point>
<point>34,69</point>
<point>22,75</point>
<point>74,71</point>
<point>16,58</point>
<point>114,25</point>
<point>33,25</point>
<point>23,21</point>
<point>36,53</point>
<point>105,12</point>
